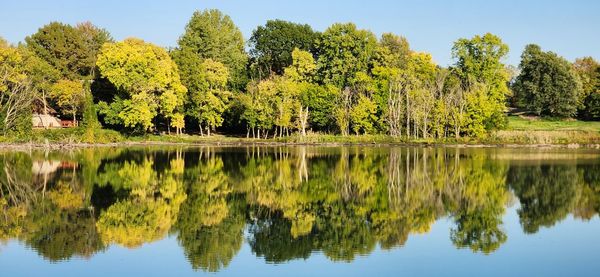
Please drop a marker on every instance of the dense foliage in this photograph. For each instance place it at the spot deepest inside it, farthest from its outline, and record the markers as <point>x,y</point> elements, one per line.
<point>273,43</point>
<point>548,84</point>
<point>292,79</point>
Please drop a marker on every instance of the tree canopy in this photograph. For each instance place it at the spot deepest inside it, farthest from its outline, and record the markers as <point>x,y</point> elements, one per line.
<point>272,44</point>
<point>344,50</point>
<point>289,79</point>
<point>71,50</point>
<point>147,80</point>
<point>480,69</point>
<point>547,85</point>
<point>212,35</point>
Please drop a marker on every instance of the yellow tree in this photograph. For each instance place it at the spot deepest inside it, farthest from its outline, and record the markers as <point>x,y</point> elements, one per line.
<point>69,95</point>
<point>211,102</point>
<point>147,78</point>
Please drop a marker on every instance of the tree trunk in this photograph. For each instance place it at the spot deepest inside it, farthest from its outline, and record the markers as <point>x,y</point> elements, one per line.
<point>168,126</point>
<point>75,118</point>
<point>407,116</point>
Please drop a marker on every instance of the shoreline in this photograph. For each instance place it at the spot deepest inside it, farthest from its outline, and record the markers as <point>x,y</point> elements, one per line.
<point>246,143</point>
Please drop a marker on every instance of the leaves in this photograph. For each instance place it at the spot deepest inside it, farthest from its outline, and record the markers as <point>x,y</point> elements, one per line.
<point>343,50</point>
<point>479,67</point>
<point>547,85</point>
<point>212,35</point>
<point>69,95</point>
<point>71,50</point>
<point>148,79</point>
<point>273,45</point>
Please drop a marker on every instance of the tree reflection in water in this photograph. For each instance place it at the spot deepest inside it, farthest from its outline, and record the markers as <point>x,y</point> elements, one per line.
<point>289,201</point>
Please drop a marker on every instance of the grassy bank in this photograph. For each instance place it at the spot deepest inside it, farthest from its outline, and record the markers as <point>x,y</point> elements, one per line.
<point>516,123</point>
<point>532,130</point>
<point>522,131</point>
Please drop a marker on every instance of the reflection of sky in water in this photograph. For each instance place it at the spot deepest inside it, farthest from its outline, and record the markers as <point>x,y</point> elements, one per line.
<point>549,182</point>
<point>569,248</point>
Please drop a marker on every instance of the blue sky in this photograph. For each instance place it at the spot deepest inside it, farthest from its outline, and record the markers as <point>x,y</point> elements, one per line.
<point>570,28</point>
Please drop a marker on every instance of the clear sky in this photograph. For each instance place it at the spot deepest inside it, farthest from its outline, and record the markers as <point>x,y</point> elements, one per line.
<point>570,28</point>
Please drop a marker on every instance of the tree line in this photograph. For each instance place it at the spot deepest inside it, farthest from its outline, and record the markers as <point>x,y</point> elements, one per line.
<point>292,79</point>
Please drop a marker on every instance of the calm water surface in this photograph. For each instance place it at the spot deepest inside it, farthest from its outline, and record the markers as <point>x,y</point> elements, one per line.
<point>281,211</point>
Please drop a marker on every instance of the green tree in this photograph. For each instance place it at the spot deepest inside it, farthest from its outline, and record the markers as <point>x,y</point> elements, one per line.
<point>362,115</point>
<point>589,74</point>
<point>93,38</point>
<point>320,101</point>
<point>302,68</point>
<point>479,64</point>
<point>342,51</point>
<point>42,76</point>
<point>144,74</point>
<point>588,71</point>
<point>592,106</point>
<point>278,100</point>
<point>258,108</point>
<point>392,51</point>
<point>547,85</point>
<point>71,50</point>
<point>272,45</point>
<point>210,104</point>
<point>212,35</point>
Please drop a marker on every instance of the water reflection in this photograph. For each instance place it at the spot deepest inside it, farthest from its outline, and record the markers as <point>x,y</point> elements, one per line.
<point>289,201</point>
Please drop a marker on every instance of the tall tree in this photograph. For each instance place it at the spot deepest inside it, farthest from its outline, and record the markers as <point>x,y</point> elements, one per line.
<point>210,104</point>
<point>547,85</point>
<point>272,44</point>
<point>343,50</point>
<point>143,73</point>
<point>258,108</point>
<point>479,62</point>
<point>392,51</point>
<point>16,93</point>
<point>93,38</point>
<point>588,71</point>
<point>42,76</point>
<point>71,50</point>
<point>212,35</point>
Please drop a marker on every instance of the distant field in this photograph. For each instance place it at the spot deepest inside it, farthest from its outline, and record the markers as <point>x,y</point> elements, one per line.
<point>524,124</point>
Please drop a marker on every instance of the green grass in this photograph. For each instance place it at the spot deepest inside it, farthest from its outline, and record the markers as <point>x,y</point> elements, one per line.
<point>516,123</point>
<point>76,135</point>
<point>533,130</point>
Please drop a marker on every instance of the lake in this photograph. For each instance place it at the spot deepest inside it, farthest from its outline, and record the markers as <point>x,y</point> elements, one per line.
<point>300,211</point>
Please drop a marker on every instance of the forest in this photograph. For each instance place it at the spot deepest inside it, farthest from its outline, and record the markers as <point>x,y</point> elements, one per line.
<point>285,79</point>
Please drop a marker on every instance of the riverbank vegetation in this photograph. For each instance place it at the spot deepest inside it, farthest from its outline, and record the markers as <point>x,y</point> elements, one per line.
<point>293,84</point>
